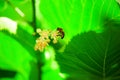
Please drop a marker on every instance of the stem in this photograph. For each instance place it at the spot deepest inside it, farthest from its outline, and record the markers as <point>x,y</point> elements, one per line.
<point>34,15</point>
<point>39,65</point>
<point>34,27</point>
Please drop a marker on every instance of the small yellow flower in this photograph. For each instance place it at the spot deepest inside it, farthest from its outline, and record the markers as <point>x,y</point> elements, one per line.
<point>54,36</point>
<point>43,40</point>
<point>41,43</point>
<point>46,36</point>
<point>43,33</point>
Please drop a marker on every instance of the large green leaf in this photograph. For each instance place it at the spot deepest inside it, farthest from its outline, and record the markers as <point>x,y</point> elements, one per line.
<point>14,57</point>
<point>76,16</point>
<point>17,52</point>
<point>92,56</point>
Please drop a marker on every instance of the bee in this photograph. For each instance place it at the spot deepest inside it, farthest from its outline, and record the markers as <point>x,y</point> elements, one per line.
<point>61,32</point>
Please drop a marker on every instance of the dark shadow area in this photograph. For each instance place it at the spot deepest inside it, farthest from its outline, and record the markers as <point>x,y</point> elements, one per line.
<point>92,55</point>
<point>7,73</point>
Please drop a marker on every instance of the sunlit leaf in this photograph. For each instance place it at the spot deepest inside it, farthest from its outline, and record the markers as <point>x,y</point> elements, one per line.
<point>85,57</point>
<point>8,24</point>
<point>76,16</point>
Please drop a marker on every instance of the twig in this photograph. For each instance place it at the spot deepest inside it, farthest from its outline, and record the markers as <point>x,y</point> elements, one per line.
<point>34,27</point>
<point>34,15</point>
<point>39,65</point>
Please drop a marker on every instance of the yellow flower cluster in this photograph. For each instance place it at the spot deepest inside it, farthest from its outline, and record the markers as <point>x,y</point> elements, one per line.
<point>45,37</point>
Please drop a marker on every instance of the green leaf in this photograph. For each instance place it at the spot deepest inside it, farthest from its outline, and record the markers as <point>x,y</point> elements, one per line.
<point>3,5</point>
<point>76,16</point>
<point>14,57</point>
<point>20,45</point>
<point>50,69</point>
<point>21,31</point>
<point>92,55</point>
<point>20,1</point>
<point>18,10</point>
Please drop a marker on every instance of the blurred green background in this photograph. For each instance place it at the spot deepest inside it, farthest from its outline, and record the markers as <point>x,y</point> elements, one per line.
<point>90,49</point>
